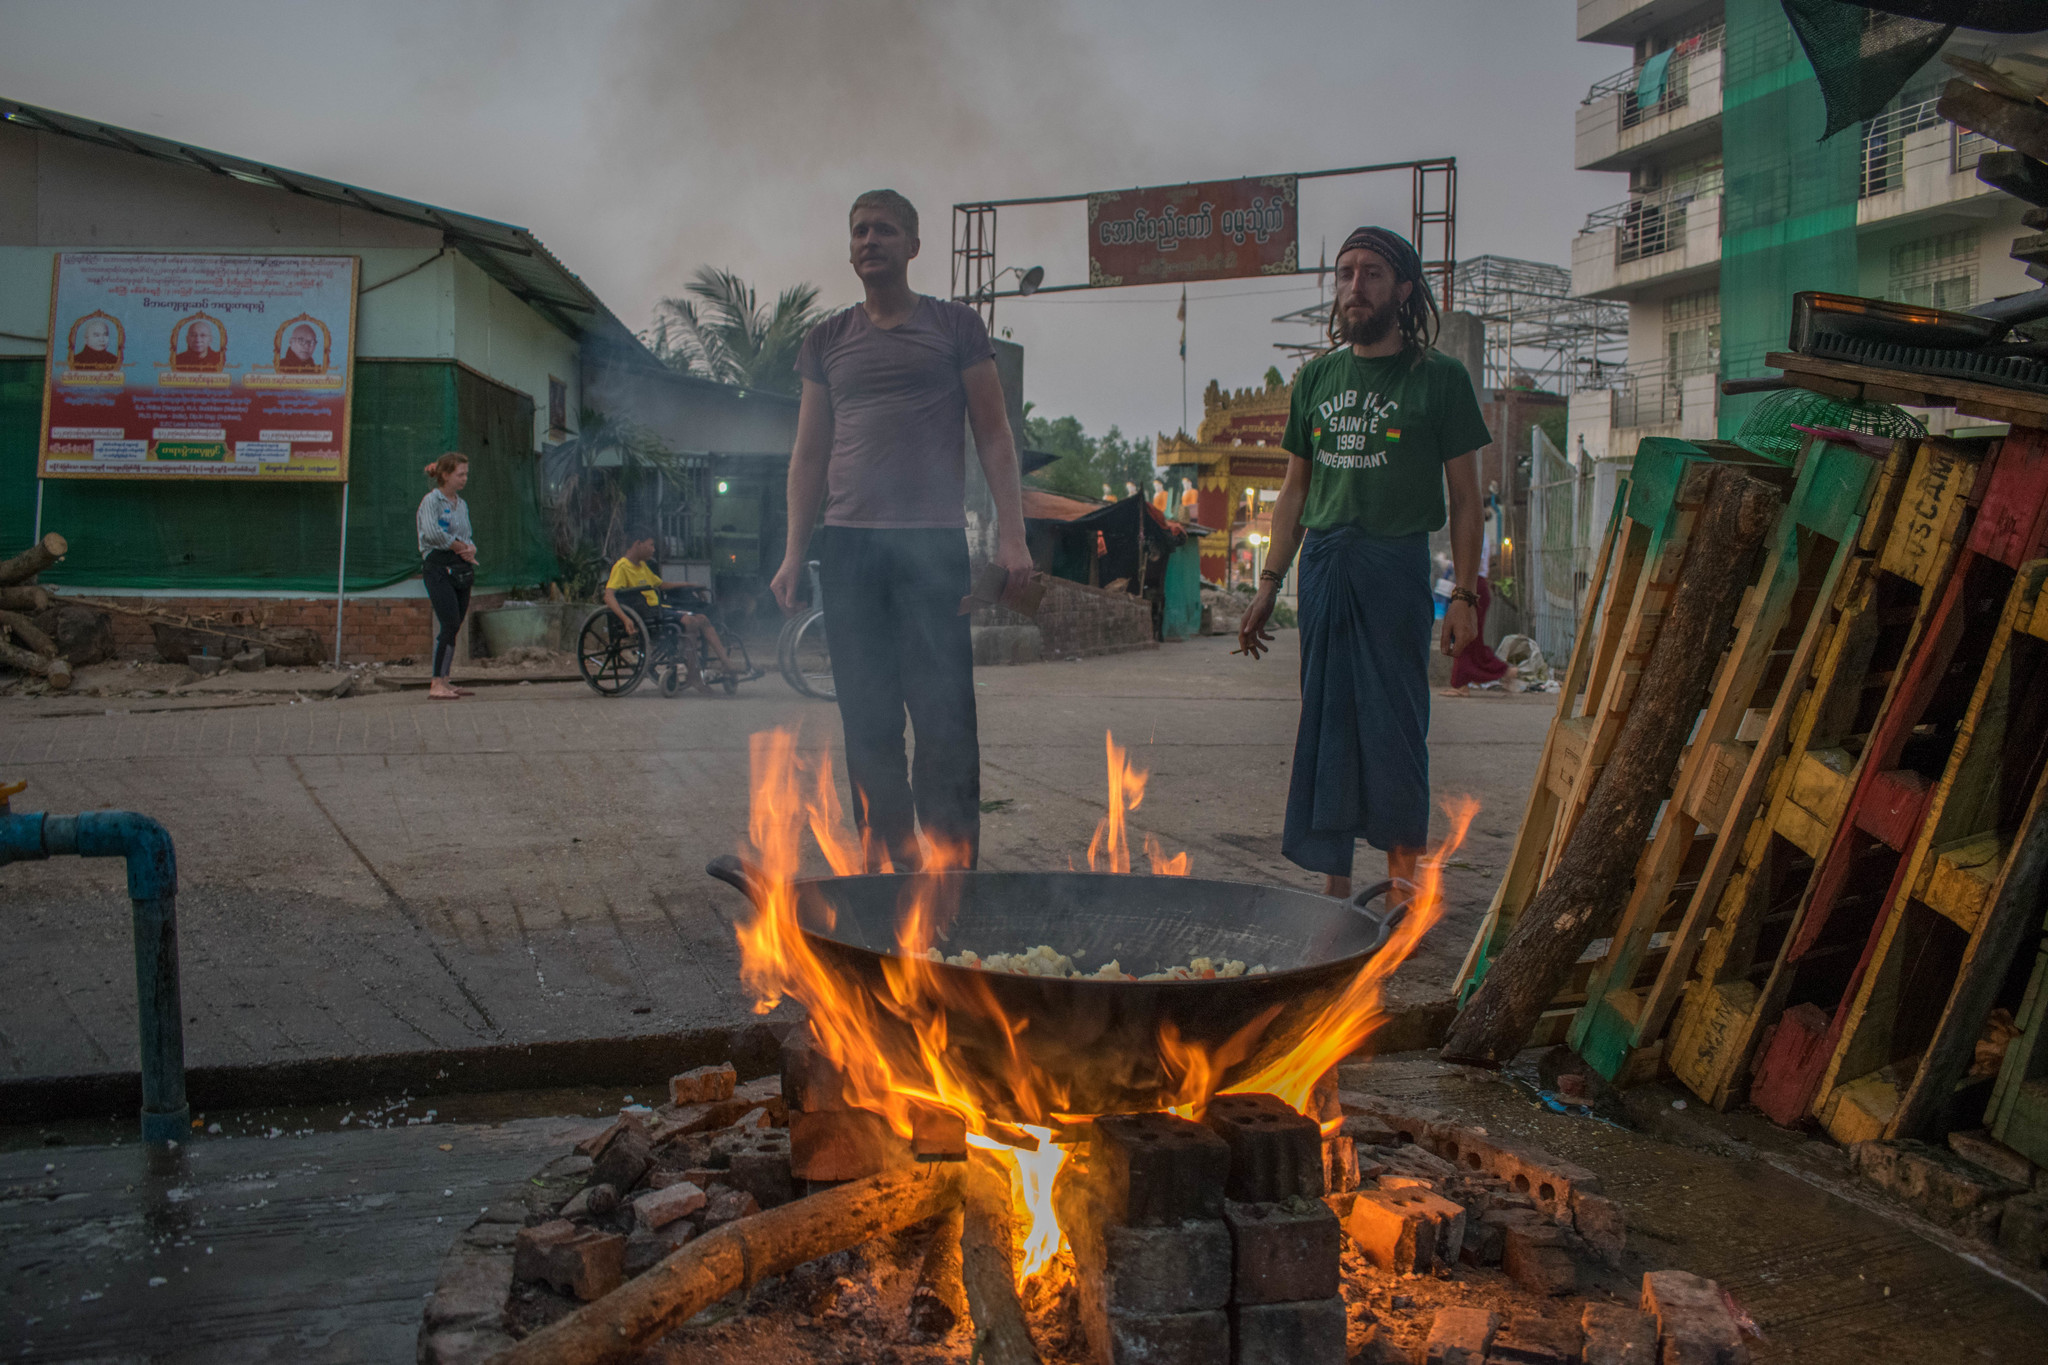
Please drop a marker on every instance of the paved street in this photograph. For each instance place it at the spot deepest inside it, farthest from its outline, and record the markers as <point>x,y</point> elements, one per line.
<point>386,873</point>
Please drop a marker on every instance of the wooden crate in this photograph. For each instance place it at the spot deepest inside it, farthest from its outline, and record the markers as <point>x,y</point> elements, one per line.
<point>2018,1113</point>
<point>1721,774</point>
<point>1635,573</point>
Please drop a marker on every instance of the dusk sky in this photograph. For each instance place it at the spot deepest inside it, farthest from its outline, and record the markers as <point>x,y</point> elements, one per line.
<point>640,140</point>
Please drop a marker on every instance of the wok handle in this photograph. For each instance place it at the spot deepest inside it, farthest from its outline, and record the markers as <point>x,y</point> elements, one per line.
<point>1388,918</point>
<point>742,876</point>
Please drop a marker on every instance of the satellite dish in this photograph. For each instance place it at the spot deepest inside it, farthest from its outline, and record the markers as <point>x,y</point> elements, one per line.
<point>1028,282</point>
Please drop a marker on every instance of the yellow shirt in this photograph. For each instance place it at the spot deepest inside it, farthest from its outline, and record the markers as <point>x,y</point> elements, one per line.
<point>627,574</point>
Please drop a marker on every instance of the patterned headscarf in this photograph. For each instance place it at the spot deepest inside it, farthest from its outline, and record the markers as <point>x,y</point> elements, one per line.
<point>1418,314</point>
<point>1391,247</point>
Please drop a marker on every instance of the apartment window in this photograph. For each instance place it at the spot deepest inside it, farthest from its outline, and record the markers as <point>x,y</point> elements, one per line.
<point>1692,333</point>
<point>1938,271</point>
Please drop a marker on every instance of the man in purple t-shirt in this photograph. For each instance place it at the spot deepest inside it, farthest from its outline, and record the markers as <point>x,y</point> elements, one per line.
<point>890,387</point>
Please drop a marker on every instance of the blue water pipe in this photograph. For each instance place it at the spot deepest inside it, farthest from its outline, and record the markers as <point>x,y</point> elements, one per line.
<point>153,892</point>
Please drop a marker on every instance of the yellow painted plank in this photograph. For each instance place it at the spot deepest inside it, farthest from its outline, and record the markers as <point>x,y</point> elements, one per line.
<point>1937,494</point>
<point>1960,883</point>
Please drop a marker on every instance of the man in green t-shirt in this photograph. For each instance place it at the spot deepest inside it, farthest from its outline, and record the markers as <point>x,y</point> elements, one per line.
<point>1380,429</point>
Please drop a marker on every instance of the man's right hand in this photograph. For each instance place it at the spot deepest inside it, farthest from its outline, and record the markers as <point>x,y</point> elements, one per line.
<point>784,584</point>
<point>1252,636</point>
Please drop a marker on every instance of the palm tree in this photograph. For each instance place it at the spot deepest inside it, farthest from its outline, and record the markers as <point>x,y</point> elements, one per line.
<point>722,332</point>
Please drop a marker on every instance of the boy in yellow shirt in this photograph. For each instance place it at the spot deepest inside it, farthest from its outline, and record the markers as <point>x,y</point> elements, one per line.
<point>633,574</point>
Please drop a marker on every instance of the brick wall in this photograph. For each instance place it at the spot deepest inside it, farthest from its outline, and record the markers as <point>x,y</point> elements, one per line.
<point>1075,619</point>
<point>373,628</point>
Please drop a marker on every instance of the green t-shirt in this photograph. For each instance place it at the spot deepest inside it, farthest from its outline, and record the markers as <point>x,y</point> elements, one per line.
<point>1379,431</point>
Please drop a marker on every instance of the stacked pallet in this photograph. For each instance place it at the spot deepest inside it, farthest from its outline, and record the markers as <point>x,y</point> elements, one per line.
<point>1850,858</point>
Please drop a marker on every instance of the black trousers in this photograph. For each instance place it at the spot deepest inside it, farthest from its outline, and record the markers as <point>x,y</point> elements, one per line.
<point>899,644</point>
<point>451,604</point>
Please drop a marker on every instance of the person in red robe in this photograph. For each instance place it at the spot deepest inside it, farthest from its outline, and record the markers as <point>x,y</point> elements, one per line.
<point>202,348</point>
<point>298,352</point>
<point>98,353</point>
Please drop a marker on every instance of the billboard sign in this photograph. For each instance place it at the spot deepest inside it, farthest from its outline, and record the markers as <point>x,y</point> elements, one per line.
<point>1221,230</point>
<point>199,367</point>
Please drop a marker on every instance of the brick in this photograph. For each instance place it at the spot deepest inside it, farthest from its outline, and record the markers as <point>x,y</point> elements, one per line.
<point>1599,1221</point>
<point>1275,1151</point>
<point>588,1265</point>
<point>1484,1243</point>
<point>727,1205</point>
<point>1304,1333</point>
<point>1340,1164</point>
<point>937,1135</point>
<point>1450,1220</point>
<point>1164,1339</point>
<point>1618,1336</point>
<point>1283,1252</point>
<point>765,1092</point>
<point>659,1208</point>
<point>1182,1268</point>
<point>1535,1257</point>
<point>760,1166</point>
<point>595,1144</point>
<point>1530,1340</point>
<point>810,1082</point>
<point>2023,1230</point>
<point>1982,1149</point>
<point>703,1085</point>
<point>841,1144</point>
<point>1694,1325</point>
<point>1154,1169</point>
<point>645,1249</point>
<point>1460,1336</point>
<point>624,1160</point>
<point>1936,1182</point>
<point>1394,1230</point>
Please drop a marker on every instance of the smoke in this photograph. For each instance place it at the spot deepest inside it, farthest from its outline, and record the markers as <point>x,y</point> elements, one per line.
<point>747,130</point>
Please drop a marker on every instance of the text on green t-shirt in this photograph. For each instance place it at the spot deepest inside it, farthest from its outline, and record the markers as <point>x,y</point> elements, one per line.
<point>1379,431</point>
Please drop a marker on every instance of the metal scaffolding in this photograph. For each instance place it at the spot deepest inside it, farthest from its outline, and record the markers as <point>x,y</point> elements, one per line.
<point>1537,335</point>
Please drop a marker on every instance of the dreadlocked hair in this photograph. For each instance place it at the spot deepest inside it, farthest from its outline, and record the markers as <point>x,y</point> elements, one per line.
<point>1417,317</point>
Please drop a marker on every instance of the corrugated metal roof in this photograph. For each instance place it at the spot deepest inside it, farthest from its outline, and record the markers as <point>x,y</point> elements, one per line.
<point>510,255</point>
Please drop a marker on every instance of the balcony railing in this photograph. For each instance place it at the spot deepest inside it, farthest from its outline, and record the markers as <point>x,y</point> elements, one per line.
<point>1652,223</point>
<point>1886,158</point>
<point>1677,81</point>
<point>1651,393</point>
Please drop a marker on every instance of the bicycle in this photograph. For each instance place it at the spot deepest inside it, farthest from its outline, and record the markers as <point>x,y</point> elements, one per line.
<point>801,653</point>
<point>614,660</point>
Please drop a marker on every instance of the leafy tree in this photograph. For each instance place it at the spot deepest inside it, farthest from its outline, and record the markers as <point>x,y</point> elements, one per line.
<point>588,482</point>
<point>721,331</point>
<point>1108,466</point>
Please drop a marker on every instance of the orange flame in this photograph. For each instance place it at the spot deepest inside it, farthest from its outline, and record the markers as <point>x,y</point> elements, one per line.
<point>854,1027</point>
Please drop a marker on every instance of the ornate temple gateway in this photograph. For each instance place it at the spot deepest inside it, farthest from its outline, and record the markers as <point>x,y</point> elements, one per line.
<point>1235,448</point>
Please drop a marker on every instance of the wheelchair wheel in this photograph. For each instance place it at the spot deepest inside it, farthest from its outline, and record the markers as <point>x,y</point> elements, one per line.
<point>806,660</point>
<point>672,680</point>
<point>735,650</point>
<point>612,661</point>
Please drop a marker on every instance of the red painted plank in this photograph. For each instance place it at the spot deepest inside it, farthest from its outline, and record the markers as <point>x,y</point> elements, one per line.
<point>1892,807</point>
<point>2013,519</point>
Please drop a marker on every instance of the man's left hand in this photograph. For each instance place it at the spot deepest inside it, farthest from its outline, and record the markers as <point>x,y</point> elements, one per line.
<point>1015,559</point>
<point>1461,626</point>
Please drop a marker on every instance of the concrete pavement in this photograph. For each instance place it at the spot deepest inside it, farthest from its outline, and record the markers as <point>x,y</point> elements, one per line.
<point>387,874</point>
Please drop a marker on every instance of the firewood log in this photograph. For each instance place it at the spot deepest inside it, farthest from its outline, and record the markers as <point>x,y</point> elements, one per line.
<point>25,598</point>
<point>1585,892</point>
<point>28,633</point>
<point>55,672</point>
<point>626,1321</point>
<point>34,559</point>
<point>988,1267</point>
<point>939,1302</point>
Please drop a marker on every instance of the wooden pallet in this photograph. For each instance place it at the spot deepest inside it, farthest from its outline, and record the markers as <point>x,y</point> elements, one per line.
<point>1876,615</point>
<point>1720,776</point>
<point>1634,576</point>
<point>2018,1113</point>
<point>1933,924</point>
<point>1845,379</point>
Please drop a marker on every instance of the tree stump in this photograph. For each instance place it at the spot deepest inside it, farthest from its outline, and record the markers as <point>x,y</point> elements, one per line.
<point>1591,881</point>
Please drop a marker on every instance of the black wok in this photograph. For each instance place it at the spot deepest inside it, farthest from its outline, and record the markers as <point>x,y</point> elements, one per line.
<point>1099,1040</point>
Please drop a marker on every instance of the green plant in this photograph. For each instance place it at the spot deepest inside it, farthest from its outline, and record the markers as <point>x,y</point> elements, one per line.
<point>586,481</point>
<point>1284,617</point>
<point>721,331</point>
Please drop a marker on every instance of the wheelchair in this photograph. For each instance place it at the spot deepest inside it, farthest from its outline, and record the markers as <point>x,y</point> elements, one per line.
<point>614,660</point>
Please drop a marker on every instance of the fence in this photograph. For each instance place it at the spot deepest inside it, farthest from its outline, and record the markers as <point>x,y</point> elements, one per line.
<point>1562,535</point>
<point>1652,223</point>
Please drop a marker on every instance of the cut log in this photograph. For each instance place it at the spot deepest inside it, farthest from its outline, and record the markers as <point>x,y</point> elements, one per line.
<point>939,1302</point>
<point>1591,881</point>
<point>26,631</point>
<point>33,560</point>
<point>25,597</point>
<point>55,672</point>
<point>988,1267</point>
<point>625,1322</point>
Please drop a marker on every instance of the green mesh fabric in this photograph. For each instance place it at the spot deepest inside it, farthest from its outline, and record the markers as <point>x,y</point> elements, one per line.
<point>1860,59</point>
<point>1770,430</point>
<point>1788,214</point>
<point>223,537</point>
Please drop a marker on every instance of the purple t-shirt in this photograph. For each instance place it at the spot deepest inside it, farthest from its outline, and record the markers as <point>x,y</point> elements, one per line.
<point>899,413</point>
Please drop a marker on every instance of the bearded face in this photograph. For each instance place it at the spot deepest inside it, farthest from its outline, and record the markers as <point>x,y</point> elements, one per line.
<point>1369,298</point>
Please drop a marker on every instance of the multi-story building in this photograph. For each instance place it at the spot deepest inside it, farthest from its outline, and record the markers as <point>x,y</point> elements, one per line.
<point>1925,229</point>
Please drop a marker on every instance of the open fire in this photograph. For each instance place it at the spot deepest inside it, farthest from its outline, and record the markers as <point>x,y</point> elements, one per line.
<point>892,1040</point>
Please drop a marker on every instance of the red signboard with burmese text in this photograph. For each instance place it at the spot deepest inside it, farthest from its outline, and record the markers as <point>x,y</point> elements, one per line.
<point>199,366</point>
<point>1221,230</point>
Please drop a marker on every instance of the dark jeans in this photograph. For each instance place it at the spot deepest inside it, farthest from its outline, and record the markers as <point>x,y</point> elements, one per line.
<point>451,604</point>
<point>899,643</point>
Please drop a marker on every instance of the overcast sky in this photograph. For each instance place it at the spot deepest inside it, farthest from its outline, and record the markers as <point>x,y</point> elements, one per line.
<point>640,139</point>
